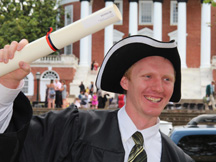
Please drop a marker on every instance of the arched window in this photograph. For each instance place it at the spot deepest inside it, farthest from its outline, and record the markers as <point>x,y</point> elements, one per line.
<point>50,74</point>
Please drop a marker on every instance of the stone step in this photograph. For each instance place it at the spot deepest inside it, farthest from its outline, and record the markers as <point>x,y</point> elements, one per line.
<point>85,75</point>
<point>194,81</point>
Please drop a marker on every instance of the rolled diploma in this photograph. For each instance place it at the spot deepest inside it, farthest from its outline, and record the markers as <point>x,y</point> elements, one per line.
<point>63,37</point>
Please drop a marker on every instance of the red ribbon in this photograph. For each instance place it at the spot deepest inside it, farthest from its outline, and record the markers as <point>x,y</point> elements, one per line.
<point>49,42</point>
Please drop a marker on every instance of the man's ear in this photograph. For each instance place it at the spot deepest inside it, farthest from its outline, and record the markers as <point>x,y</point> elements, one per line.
<point>124,83</point>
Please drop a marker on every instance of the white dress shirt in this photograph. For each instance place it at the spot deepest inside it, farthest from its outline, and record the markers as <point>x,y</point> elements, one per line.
<point>152,137</point>
<point>7,96</point>
<point>58,85</point>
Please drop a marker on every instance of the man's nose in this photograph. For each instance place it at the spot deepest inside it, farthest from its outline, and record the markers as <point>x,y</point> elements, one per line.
<point>158,85</point>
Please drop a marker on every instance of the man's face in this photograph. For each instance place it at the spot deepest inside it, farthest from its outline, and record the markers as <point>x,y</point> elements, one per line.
<point>149,87</point>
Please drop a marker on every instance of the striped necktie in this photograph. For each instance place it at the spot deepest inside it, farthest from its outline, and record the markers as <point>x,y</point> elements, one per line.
<point>137,153</point>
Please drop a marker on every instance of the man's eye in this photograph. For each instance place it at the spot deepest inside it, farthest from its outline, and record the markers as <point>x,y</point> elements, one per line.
<point>167,79</point>
<point>147,76</point>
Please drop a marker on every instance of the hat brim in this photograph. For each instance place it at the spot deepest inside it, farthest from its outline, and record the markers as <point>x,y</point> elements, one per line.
<point>128,51</point>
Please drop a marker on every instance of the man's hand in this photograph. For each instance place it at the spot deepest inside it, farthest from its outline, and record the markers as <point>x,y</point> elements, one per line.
<point>12,79</point>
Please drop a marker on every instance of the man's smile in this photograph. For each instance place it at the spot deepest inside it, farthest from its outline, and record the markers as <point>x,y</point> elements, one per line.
<point>153,99</point>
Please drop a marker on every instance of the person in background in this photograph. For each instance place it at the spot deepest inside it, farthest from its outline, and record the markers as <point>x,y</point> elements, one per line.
<point>100,99</point>
<point>147,71</point>
<point>103,101</point>
<point>94,102</point>
<point>91,88</point>
<point>96,65</point>
<point>92,65</point>
<point>121,101</point>
<point>89,99</point>
<point>82,87</point>
<point>87,90</point>
<point>64,94</point>
<point>46,95</point>
<point>84,100</point>
<point>81,95</point>
<point>210,93</point>
<point>58,100</point>
<point>51,95</point>
<point>77,102</point>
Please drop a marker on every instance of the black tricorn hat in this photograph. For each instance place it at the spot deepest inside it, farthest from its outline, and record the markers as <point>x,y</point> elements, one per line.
<point>128,51</point>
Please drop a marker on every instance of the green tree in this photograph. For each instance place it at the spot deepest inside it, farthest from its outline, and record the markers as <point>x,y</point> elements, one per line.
<point>28,19</point>
<point>210,1</point>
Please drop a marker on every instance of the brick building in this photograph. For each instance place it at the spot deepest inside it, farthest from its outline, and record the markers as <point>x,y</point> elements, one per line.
<point>190,22</point>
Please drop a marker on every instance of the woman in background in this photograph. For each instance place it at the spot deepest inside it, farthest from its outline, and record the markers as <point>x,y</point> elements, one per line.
<point>64,94</point>
<point>51,95</point>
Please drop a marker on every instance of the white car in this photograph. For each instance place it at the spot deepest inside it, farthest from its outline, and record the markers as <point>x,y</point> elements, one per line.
<point>166,127</point>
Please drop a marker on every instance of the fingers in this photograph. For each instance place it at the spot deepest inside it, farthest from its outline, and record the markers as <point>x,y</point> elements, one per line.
<point>9,50</point>
<point>1,55</point>
<point>22,44</point>
<point>5,54</point>
<point>12,49</point>
<point>25,67</point>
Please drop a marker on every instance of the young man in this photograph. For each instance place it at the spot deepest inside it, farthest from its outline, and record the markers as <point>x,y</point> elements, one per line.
<point>146,70</point>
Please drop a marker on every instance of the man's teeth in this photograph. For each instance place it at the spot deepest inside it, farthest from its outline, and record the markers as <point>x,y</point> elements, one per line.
<point>153,99</point>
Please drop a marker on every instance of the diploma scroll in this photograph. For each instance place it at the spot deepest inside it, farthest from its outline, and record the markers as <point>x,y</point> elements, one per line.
<point>63,37</point>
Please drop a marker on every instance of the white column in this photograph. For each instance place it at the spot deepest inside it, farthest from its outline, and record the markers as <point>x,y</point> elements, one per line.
<point>90,40</point>
<point>157,20</point>
<point>108,35</point>
<point>205,35</point>
<point>84,42</point>
<point>182,35</point>
<point>133,18</point>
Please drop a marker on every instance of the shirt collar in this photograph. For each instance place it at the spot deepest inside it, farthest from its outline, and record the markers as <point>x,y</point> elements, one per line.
<point>127,127</point>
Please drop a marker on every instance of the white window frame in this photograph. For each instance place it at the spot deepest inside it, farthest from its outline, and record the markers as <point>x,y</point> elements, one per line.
<point>30,87</point>
<point>172,4</point>
<point>64,2</point>
<point>120,7</point>
<point>68,10</point>
<point>25,88</point>
<point>140,12</point>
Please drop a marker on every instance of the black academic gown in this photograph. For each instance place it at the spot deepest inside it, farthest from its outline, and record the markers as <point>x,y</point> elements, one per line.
<point>74,135</point>
<point>11,142</point>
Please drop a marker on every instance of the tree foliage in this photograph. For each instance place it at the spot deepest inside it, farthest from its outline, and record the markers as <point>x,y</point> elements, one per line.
<point>210,1</point>
<point>28,19</point>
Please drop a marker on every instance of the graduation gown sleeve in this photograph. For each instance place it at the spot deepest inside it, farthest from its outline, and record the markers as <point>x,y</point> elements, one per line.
<point>11,141</point>
<point>51,137</point>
